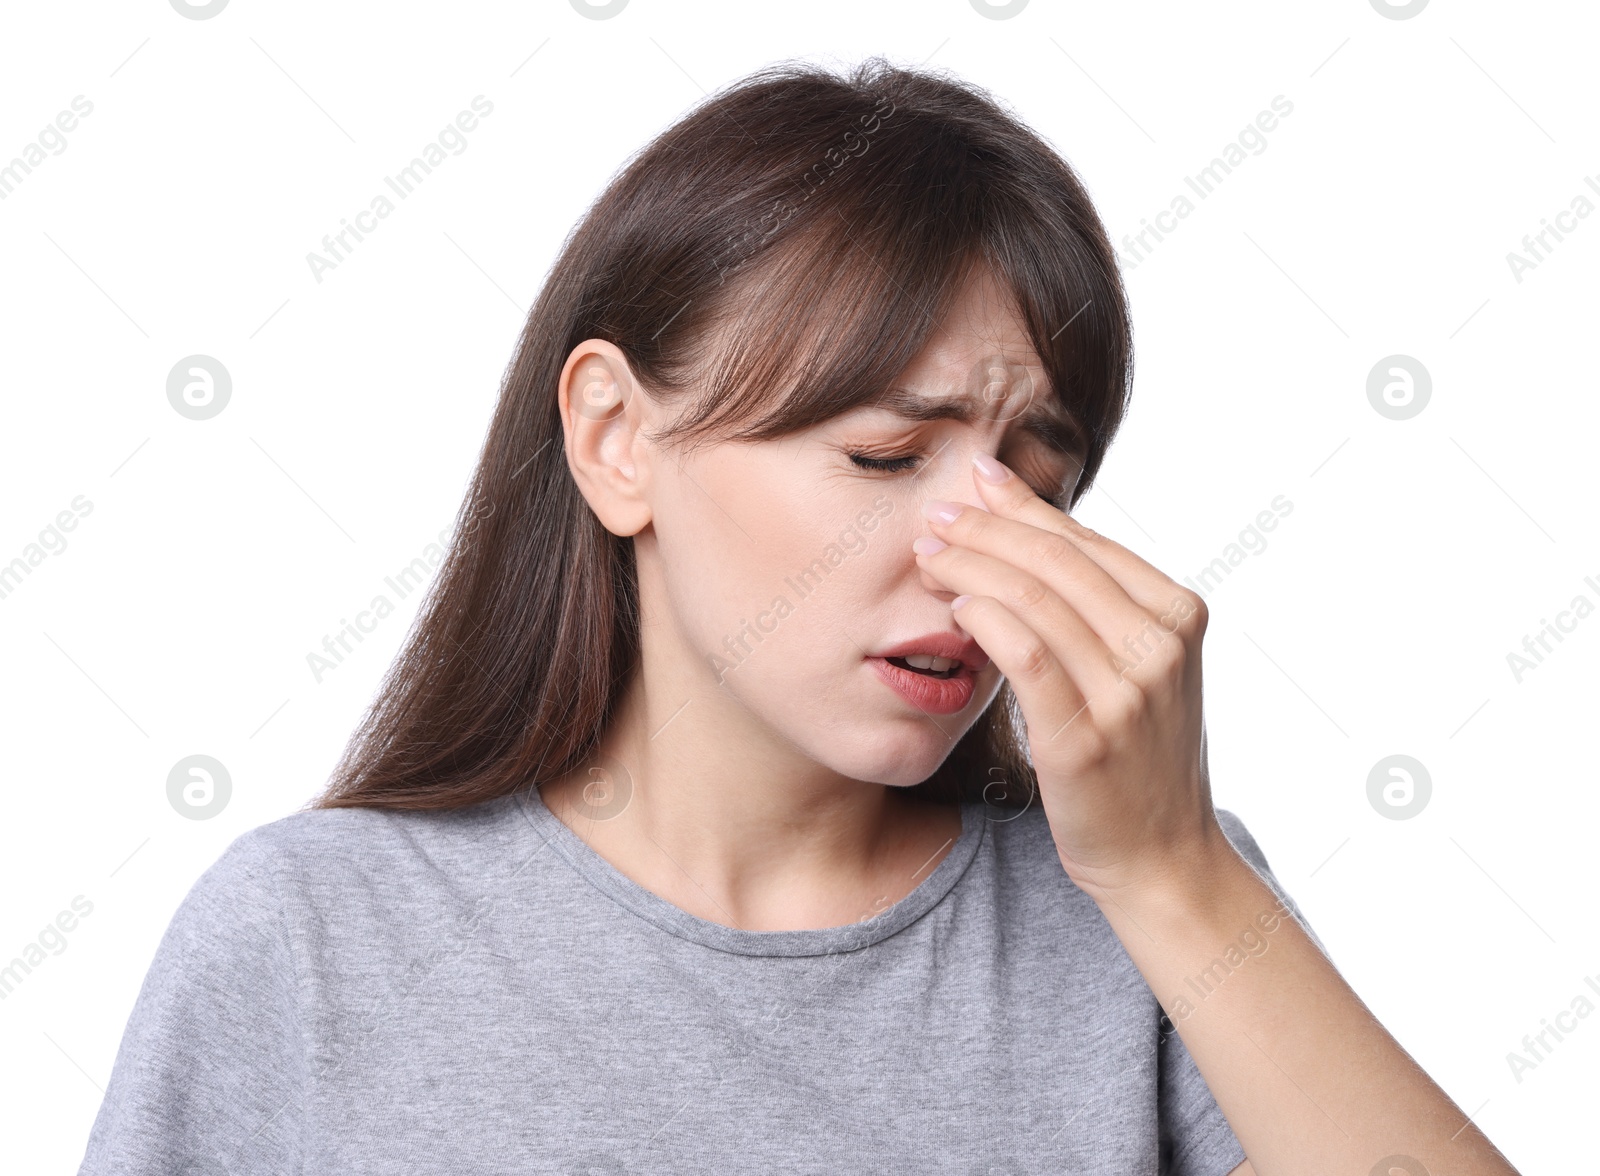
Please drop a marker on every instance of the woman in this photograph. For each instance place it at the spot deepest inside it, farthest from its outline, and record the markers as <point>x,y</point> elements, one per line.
<point>777,778</point>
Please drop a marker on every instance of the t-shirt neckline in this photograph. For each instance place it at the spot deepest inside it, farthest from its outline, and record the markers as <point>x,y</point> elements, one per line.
<point>674,920</point>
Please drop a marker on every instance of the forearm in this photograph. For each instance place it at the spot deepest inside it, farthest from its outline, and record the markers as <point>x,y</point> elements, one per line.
<point>1307,1077</point>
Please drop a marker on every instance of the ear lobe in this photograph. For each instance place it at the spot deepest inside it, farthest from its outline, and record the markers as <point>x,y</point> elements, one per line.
<point>601,416</point>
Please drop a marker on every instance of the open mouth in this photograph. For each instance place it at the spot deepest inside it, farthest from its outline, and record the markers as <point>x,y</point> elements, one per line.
<point>928,667</point>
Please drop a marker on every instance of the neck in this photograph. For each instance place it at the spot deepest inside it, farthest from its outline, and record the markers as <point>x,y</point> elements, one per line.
<point>694,805</point>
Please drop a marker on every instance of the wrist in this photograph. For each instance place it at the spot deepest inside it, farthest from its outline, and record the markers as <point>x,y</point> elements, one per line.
<point>1205,886</point>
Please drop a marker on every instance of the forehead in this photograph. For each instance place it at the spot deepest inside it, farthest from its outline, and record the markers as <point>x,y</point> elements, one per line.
<point>980,320</point>
<point>979,362</point>
<point>978,352</point>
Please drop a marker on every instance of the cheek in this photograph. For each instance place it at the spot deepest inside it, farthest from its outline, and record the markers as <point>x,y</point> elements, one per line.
<point>780,567</point>
<point>743,546</point>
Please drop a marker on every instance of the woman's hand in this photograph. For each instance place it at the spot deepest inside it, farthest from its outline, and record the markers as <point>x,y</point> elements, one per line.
<point>1103,652</point>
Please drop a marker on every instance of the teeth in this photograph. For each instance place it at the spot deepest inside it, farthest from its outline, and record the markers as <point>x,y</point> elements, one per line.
<point>924,661</point>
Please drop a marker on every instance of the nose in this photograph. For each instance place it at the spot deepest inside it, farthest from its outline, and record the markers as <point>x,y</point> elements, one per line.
<point>955,482</point>
<point>954,485</point>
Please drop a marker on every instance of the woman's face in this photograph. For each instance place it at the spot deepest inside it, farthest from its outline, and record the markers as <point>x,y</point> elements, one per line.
<point>777,577</point>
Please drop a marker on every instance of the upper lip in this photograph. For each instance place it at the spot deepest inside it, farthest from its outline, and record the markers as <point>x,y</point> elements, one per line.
<point>955,646</point>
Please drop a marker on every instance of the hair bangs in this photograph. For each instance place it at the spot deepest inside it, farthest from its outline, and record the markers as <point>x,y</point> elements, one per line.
<point>827,311</point>
<point>821,327</point>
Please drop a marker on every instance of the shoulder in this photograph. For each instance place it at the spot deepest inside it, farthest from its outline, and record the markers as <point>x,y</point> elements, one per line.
<point>348,863</point>
<point>362,840</point>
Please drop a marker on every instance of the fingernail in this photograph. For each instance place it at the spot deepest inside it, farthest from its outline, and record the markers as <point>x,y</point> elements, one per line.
<point>927,545</point>
<point>989,469</point>
<point>959,601</point>
<point>939,511</point>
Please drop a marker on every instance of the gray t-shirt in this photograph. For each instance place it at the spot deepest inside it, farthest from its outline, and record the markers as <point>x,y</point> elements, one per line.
<point>477,991</point>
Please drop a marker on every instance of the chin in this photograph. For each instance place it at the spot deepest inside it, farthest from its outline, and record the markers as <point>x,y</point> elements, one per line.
<point>895,747</point>
<point>895,758</point>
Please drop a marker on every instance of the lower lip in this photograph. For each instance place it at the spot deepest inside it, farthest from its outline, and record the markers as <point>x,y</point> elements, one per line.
<point>934,696</point>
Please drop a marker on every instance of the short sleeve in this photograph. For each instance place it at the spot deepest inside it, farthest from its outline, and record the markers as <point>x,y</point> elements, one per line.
<point>210,1073</point>
<point>1251,852</point>
<point>1196,1139</point>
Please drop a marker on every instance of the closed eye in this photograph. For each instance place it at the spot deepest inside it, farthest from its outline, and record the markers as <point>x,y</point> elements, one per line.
<point>895,465</point>
<point>888,465</point>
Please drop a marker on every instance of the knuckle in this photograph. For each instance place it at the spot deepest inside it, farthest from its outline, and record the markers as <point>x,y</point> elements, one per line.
<point>1125,703</point>
<point>1170,656</point>
<point>976,523</point>
<point>1091,747</point>
<point>1186,615</point>
<point>1029,593</point>
<point>1033,660</point>
<point>1078,533</point>
<point>1045,551</point>
<point>1122,708</point>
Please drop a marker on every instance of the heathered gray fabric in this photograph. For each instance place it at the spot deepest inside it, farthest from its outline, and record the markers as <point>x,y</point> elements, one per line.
<point>357,991</point>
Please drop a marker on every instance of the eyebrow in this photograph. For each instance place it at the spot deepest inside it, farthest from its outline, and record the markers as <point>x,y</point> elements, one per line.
<point>1053,425</point>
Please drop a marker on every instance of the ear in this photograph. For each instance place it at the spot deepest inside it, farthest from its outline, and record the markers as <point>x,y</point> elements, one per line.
<point>602,412</point>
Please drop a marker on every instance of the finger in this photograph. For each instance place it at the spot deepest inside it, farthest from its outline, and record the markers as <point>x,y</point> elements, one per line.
<point>1045,555</point>
<point>1010,497</point>
<point>1053,705</point>
<point>1072,640</point>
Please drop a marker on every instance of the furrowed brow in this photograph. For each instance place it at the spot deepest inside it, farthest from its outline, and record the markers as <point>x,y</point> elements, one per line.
<point>1058,433</point>
<point>915,407</point>
<point>1047,421</point>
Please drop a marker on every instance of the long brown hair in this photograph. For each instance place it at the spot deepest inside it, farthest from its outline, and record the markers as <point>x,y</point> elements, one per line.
<point>819,222</point>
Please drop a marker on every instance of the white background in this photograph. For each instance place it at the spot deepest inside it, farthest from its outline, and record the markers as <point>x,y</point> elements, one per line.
<point>1378,620</point>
